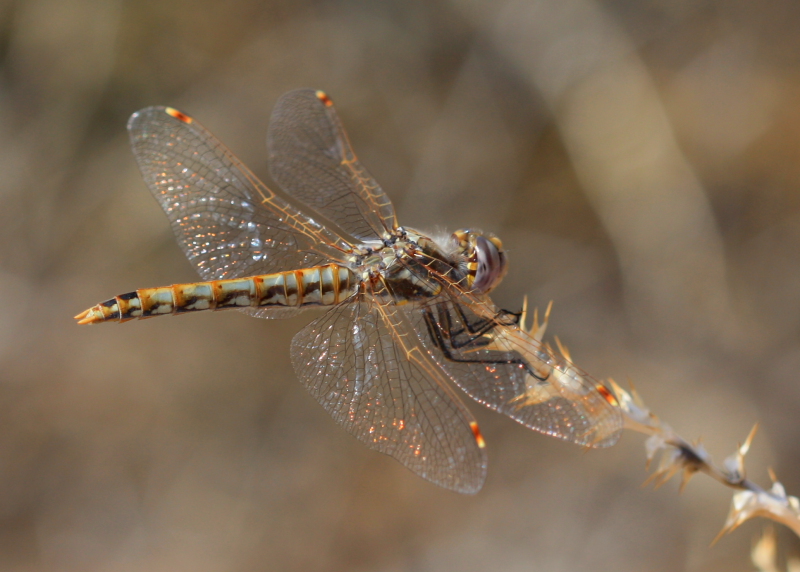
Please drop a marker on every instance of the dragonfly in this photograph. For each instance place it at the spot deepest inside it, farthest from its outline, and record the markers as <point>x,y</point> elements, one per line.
<point>408,317</point>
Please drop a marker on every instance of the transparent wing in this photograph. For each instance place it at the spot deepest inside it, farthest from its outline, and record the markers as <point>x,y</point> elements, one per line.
<point>227,222</point>
<point>310,157</point>
<point>504,368</point>
<point>361,361</point>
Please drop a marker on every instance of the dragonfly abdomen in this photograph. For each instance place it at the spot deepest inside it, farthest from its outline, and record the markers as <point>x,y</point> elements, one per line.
<point>318,286</point>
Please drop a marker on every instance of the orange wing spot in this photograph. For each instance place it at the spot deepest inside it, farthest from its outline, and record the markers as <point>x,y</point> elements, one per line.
<point>323,97</point>
<point>178,115</point>
<point>477,433</point>
<point>607,395</point>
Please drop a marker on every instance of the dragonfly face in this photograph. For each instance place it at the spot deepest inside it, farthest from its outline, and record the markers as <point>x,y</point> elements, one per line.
<point>486,261</point>
<point>407,320</point>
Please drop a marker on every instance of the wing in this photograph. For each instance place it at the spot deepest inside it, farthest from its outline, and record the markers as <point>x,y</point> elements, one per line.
<point>362,363</point>
<point>228,223</point>
<point>504,368</point>
<point>310,157</point>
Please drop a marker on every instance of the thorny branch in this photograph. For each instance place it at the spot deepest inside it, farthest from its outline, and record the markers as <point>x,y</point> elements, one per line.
<point>677,455</point>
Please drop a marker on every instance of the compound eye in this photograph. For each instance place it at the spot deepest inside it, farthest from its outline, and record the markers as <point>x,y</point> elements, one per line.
<point>492,265</point>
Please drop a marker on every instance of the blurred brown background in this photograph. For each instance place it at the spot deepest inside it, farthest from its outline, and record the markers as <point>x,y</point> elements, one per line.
<point>640,160</point>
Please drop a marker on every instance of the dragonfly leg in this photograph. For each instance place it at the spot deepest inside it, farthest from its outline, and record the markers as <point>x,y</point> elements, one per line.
<point>441,332</point>
<point>477,329</point>
<point>474,331</point>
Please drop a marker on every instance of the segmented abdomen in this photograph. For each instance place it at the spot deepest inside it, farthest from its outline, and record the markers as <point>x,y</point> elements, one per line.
<point>318,286</point>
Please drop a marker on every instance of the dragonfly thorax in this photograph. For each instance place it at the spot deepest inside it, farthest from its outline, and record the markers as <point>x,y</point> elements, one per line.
<point>404,266</point>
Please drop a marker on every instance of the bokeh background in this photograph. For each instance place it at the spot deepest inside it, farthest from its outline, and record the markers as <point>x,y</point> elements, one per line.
<point>640,160</point>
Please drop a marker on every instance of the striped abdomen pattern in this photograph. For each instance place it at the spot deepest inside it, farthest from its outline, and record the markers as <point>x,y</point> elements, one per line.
<point>318,286</point>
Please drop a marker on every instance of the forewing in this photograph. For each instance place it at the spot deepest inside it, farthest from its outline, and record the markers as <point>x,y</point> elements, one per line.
<point>354,360</point>
<point>311,158</point>
<point>504,368</point>
<point>227,222</point>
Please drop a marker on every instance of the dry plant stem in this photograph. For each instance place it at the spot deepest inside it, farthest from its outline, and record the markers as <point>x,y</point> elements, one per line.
<point>692,458</point>
<point>677,455</point>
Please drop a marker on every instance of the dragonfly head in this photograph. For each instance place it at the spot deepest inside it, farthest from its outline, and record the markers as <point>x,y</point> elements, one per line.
<point>485,261</point>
